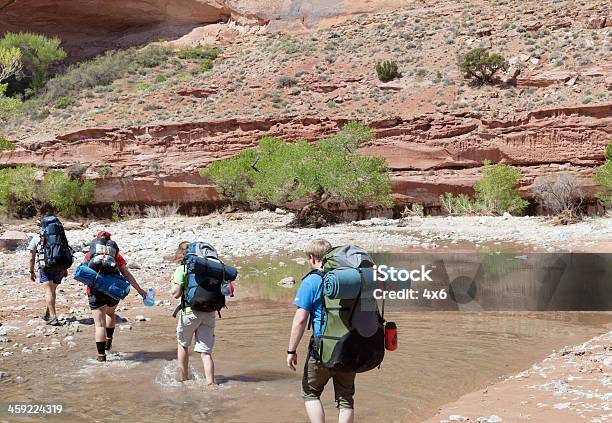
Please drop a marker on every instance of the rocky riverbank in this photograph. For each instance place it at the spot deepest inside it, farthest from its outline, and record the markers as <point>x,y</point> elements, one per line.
<point>573,384</point>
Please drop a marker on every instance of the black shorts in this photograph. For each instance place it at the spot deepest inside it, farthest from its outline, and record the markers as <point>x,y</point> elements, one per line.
<point>99,299</point>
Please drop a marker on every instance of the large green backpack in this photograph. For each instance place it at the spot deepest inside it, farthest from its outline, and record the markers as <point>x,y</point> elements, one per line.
<point>353,337</point>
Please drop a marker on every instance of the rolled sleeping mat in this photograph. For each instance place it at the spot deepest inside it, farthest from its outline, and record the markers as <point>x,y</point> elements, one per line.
<point>214,268</point>
<point>342,284</point>
<point>115,286</point>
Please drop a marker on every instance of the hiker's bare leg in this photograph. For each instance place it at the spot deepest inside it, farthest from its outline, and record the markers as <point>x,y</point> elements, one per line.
<point>315,411</point>
<point>110,316</point>
<point>50,297</point>
<point>99,316</point>
<point>209,368</point>
<point>183,363</point>
<point>346,415</point>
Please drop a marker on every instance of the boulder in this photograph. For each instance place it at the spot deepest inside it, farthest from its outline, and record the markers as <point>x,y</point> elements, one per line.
<point>288,282</point>
<point>11,240</point>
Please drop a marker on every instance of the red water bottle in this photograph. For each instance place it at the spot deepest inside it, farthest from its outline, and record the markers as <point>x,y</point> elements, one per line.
<point>390,336</point>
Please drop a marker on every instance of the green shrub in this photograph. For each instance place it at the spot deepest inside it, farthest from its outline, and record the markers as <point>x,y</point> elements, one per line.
<point>104,171</point>
<point>102,70</point>
<point>481,66</point>
<point>17,188</point>
<point>115,212</point>
<point>496,190</point>
<point>152,56</point>
<point>204,66</point>
<point>6,144</point>
<point>9,107</point>
<point>278,172</point>
<point>199,53</point>
<point>37,54</point>
<point>603,178</point>
<point>65,102</point>
<point>387,70</point>
<point>496,193</point>
<point>67,195</point>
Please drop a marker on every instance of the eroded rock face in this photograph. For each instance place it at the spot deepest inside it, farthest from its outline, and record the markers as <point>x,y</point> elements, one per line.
<point>428,155</point>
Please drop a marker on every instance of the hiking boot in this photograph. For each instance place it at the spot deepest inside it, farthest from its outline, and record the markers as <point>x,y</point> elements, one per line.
<point>109,344</point>
<point>54,322</point>
<point>101,357</point>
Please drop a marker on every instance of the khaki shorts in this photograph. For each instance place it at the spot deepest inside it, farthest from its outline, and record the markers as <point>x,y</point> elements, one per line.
<point>198,323</point>
<point>316,377</point>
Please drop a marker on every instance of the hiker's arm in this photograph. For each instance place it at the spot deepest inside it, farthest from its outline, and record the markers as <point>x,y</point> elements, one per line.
<point>176,290</point>
<point>128,275</point>
<point>32,262</point>
<point>300,320</point>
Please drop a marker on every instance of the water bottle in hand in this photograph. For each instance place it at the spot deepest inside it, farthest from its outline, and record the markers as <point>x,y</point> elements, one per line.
<point>149,300</point>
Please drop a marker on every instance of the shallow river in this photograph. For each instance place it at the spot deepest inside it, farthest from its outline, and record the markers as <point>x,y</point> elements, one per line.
<point>442,355</point>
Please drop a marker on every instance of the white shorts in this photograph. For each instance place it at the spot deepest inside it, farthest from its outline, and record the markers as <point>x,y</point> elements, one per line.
<point>198,323</point>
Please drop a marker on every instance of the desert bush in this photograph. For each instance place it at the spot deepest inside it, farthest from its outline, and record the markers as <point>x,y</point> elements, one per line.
<point>37,54</point>
<point>115,212</point>
<point>387,70</point>
<point>104,171</point>
<point>496,193</point>
<point>559,192</point>
<point>76,171</point>
<point>102,71</point>
<point>199,53</point>
<point>65,102</point>
<point>496,190</point>
<point>285,81</point>
<point>17,188</point>
<point>415,210</point>
<point>9,107</point>
<point>168,210</point>
<point>603,177</point>
<point>481,66</point>
<point>65,194</point>
<point>204,66</point>
<point>278,172</point>
<point>458,205</point>
<point>6,144</point>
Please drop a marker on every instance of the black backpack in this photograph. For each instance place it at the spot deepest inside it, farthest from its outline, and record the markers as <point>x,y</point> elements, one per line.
<point>201,292</point>
<point>58,254</point>
<point>103,256</point>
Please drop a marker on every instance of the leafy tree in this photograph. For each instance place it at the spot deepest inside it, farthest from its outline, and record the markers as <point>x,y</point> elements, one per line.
<point>37,54</point>
<point>481,66</point>
<point>66,194</point>
<point>10,62</point>
<point>387,70</point>
<point>17,188</point>
<point>603,177</point>
<point>278,172</point>
<point>496,191</point>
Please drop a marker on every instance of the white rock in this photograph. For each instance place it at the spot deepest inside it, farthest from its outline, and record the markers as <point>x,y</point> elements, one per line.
<point>288,282</point>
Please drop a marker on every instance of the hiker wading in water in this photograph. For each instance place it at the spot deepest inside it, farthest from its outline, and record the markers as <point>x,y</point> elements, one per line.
<point>316,376</point>
<point>201,299</point>
<point>52,236</point>
<point>104,257</point>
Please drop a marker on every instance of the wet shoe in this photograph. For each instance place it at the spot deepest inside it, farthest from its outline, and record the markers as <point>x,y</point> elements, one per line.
<point>54,322</point>
<point>109,344</point>
<point>101,358</point>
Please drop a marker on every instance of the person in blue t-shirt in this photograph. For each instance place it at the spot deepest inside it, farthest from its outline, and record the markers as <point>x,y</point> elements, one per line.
<point>308,302</point>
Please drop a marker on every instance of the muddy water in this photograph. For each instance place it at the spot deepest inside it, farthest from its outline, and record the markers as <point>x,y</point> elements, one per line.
<point>442,355</point>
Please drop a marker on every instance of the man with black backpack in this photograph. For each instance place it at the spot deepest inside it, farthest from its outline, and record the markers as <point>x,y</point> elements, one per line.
<point>52,255</point>
<point>348,336</point>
